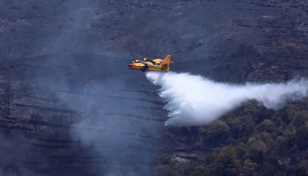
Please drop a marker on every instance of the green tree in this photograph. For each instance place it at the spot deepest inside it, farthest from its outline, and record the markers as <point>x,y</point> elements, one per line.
<point>226,162</point>
<point>302,166</point>
<point>266,126</point>
<point>300,118</point>
<point>249,167</point>
<point>302,137</point>
<point>164,170</point>
<point>200,170</point>
<point>241,149</point>
<point>256,149</point>
<point>218,130</point>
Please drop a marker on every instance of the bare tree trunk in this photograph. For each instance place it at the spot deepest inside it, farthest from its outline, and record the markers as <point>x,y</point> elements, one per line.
<point>7,95</point>
<point>36,119</point>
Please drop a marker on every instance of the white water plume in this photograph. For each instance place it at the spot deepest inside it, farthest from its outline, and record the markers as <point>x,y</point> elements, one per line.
<point>196,100</point>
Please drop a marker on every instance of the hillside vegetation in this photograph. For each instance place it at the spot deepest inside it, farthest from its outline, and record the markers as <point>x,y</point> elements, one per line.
<point>70,106</point>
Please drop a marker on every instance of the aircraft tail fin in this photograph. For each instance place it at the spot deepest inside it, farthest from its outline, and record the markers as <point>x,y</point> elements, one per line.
<point>166,63</point>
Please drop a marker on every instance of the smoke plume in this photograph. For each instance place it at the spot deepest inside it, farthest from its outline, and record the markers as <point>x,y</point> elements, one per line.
<point>196,100</point>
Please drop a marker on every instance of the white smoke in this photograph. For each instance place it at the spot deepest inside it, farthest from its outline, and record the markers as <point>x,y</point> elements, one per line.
<point>195,100</point>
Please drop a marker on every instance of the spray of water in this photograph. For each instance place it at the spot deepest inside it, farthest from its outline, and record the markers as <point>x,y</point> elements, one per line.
<point>196,100</point>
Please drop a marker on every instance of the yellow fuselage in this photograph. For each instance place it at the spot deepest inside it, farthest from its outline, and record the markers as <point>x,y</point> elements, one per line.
<point>154,65</point>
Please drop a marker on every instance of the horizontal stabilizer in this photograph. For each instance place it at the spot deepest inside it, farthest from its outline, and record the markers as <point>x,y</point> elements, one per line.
<point>164,63</point>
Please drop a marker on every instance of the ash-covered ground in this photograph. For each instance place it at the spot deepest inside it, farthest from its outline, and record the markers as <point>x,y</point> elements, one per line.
<point>69,104</point>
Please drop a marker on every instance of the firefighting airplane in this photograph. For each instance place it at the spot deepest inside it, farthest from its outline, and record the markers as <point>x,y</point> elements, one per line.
<point>155,64</point>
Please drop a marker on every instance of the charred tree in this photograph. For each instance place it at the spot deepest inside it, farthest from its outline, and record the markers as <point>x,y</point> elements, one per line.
<point>35,121</point>
<point>57,121</point>
<point>7,96</point>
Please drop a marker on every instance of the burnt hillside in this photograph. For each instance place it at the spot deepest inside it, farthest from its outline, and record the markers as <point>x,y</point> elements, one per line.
<point>70,106</point>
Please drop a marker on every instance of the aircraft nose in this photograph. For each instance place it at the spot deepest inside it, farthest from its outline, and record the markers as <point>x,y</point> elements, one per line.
<point>130,66</point>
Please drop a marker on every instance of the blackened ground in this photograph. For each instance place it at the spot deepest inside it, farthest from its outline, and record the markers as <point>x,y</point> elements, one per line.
<point>68,93</point>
